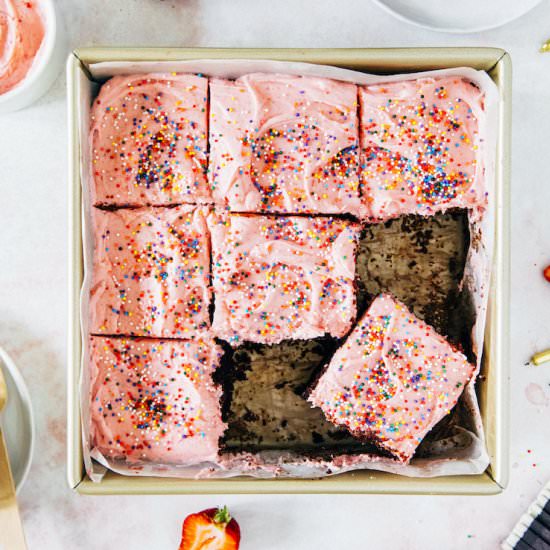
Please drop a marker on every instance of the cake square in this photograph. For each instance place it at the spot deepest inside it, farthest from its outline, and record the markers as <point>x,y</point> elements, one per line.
<point>154,400</point>
<point>148,138</point>
<point>392,380</point>
<point>278,278</point>
<point>151,272</point>
<point>284,144</point>
<point>421,147</point>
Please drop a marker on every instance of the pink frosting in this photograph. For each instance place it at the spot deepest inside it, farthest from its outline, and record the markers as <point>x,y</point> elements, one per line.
<point>278,278</point>
<point>154,400</point>
<point>421,147</point>
<point>149,140</point>
<point>392,380</point>
<point>21,36</point>
<point>286,144</point>
<point>151,272</point>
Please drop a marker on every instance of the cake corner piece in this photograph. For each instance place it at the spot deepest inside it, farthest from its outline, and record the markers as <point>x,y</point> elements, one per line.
<point>154,401</point>
<point>421,147</point>
<point>148,141</point>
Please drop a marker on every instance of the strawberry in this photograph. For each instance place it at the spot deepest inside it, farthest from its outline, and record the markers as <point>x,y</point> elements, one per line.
<point>211,529</point>
<point>546,273</point>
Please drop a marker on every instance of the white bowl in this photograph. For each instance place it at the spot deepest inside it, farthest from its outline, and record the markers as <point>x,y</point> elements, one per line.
<point>46,66</point>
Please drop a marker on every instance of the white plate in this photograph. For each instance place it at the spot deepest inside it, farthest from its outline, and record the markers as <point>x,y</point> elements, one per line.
<point>459,16</point>
<point>17,421</point>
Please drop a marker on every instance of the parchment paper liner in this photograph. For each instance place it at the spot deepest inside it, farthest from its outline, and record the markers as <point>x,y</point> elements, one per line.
<point>466,456</point>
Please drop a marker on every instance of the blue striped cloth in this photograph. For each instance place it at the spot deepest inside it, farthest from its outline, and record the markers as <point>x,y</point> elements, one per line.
<point>532,532</point>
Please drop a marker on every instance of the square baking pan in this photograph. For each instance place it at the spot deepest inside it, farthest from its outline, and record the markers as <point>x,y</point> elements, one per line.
<point>492,384</point>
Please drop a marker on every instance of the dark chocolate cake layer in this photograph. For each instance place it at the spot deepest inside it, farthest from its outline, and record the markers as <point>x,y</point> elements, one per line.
<point>419,260</point>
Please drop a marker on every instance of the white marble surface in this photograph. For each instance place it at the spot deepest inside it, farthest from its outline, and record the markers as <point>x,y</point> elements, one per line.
<point>33,281</point>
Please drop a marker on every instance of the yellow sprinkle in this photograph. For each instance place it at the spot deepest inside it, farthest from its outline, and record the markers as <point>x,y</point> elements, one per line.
<point>541,357</point>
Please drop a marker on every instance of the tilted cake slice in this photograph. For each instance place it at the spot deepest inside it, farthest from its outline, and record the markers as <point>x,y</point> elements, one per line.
<point>392,380</point>
<point>154,400</point>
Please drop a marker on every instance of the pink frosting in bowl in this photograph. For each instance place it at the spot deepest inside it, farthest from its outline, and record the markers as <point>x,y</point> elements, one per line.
<point>22,32</point>
<point>36,71</point>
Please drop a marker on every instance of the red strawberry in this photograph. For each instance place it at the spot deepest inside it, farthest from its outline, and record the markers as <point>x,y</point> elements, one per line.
<point>546,273</point>
<point>211,529</point>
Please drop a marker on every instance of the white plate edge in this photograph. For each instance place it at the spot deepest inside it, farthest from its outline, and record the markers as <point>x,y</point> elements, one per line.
<point>381,4</point>
<point>26,399</point>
